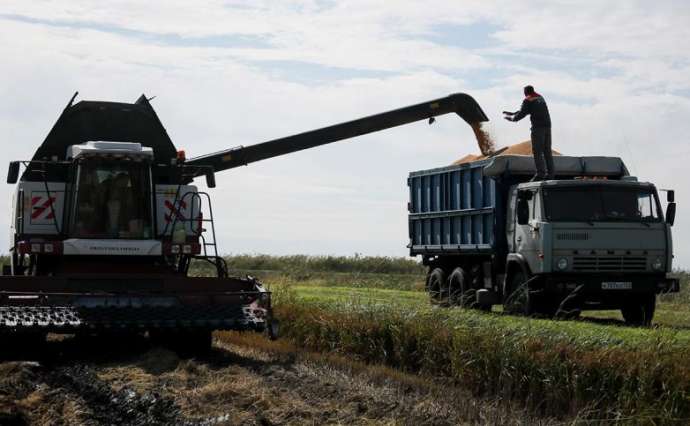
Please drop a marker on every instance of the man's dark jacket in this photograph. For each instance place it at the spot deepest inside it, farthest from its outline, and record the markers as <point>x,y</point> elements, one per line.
<point>534,106</point>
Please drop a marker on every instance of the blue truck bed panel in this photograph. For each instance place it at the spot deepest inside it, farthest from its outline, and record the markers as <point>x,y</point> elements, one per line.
<point>452,210</point>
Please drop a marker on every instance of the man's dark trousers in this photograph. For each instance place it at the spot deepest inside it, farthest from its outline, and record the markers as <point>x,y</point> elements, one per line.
<point>541,148</point>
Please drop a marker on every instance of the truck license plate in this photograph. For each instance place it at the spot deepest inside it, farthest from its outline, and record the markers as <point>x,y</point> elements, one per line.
<point>616,285</point>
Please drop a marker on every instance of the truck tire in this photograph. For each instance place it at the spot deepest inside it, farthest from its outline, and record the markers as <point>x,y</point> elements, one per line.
<point>639,310</point>
<point>460,291</point>
<point>517,300</point>
<point>436,285</point>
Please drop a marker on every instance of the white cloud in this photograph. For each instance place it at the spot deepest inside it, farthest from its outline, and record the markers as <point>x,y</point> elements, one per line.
<point>614,73</point>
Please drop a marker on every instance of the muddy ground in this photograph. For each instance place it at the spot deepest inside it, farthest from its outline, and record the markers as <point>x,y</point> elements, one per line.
<point>244,380</point>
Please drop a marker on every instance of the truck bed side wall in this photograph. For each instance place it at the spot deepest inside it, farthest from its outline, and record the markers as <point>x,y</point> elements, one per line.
<point>456,211</point>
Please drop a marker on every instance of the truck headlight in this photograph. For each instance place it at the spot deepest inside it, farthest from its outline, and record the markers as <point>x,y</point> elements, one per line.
<point>657,264</point>
<point>562,264</point>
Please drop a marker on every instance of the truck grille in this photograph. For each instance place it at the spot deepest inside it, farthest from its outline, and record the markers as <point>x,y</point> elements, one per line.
<point>609,263</point>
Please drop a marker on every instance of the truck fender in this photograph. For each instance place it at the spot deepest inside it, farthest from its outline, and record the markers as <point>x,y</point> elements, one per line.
<point>514,261</point>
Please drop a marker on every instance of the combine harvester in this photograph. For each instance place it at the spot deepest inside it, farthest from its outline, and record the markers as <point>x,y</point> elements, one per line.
<point>106,222</point>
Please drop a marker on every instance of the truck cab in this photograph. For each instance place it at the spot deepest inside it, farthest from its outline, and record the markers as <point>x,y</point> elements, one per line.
<point>588,244</point>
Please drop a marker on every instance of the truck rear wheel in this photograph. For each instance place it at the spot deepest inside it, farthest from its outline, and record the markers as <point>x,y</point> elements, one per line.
<point>639,310</point>
<point>437,286</point>
<point>460,291</point>
<point>517,300</point>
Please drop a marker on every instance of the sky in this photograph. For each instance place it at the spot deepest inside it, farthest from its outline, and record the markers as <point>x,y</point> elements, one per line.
<point>229,73</point>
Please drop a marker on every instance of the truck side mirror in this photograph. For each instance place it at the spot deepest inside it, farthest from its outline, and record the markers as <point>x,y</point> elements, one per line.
<point>670,196</point>
<point>671,213</point>
<point>13,172</point>
<point>211,180</point>
<point>522,211</point>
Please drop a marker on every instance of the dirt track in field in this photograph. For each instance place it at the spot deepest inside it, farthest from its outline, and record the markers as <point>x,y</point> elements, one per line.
<point>243,381</point>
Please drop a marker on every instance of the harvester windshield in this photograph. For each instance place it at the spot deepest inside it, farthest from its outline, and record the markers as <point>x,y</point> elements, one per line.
<point>112,200</point>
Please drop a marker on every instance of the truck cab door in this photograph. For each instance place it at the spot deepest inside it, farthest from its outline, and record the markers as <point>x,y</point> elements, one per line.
<point>526,236</point>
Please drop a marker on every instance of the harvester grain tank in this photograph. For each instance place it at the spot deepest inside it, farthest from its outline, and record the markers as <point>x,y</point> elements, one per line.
<point>106,222</point>
<point>593,238</point>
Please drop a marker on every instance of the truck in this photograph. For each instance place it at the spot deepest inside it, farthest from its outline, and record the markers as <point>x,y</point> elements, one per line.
<point>106,221</point>
<point>592,238</point>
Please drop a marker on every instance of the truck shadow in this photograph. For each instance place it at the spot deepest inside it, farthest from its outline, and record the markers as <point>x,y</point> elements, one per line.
<point>601,321</point>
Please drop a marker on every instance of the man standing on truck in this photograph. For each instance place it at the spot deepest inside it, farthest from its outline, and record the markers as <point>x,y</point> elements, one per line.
<point>535,106</point>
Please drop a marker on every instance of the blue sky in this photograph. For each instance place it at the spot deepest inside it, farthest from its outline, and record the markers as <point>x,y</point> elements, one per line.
<point>236,73</point>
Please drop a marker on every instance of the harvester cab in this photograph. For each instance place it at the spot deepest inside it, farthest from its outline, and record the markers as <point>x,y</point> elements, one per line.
<point>106,222</point>
<point>103,200</point>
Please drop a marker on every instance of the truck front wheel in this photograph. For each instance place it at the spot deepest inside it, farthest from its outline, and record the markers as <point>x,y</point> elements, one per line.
<point>517,299</point>
<point>639,310</point>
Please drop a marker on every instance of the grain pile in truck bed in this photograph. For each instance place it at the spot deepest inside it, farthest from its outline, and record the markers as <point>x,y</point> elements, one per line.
<point>522,148</point>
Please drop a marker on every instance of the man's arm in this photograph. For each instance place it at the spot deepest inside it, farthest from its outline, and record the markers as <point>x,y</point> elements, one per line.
<point>524,111</point>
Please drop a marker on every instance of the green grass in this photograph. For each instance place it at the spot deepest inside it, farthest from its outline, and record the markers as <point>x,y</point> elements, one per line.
<point>367,296</point>
<point>593,368</point>
<point>306,264</point>
<point>556,368</point>
<point>674,315</point>
<point>326,271</point>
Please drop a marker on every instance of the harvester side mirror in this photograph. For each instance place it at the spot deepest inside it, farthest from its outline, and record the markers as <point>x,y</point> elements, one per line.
<point>13,172</point>
<point>522,211</point>
<point>671,213</point>
<point>211,180</point>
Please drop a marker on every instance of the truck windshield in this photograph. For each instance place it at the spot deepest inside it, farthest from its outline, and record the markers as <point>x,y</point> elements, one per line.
<point>600,204</point>
<point>113,200</point>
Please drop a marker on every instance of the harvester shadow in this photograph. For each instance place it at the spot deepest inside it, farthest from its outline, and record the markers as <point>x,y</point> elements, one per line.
<point>126,351</point>
<point>59,349</point>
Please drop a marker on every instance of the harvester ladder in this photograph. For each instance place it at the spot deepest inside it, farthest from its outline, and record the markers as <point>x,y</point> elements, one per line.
<point>199,202</point>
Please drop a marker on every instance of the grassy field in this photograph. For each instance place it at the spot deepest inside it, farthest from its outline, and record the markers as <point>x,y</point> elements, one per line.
<point>593,369</point>
<point>358,278</point>
<point>373,311</point>
<point>555,368</point>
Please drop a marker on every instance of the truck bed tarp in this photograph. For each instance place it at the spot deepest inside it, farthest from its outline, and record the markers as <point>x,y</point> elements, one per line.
<point>564,165</point>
